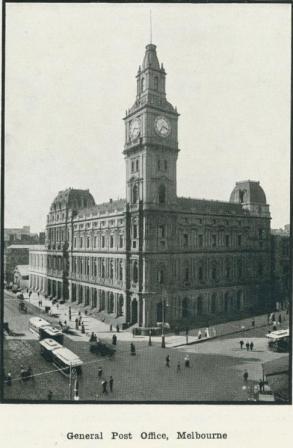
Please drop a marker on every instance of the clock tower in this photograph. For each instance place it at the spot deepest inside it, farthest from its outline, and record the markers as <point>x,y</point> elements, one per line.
<point>151,145</point>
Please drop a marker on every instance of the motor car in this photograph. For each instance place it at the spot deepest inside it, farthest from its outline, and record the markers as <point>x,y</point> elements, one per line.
<point>100,348</point>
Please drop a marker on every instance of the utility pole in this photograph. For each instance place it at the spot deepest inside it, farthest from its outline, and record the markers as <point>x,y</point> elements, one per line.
<point>70,381</point>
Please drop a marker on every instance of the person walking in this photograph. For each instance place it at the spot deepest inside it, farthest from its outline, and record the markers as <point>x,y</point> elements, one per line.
<point>100,372</point>
<point>132,349</point>
<point>104,386</point>
<point>76,324</point>
<point>187,361</point>
<point>111,328</point>
<point>117,328</point>
<point>168,361</point>
<point>178,367</point>
<point>111,382</point>
<point>114,339</point>
<point>245,376</point>
<point>280,319</point>
<point>83,328</point>
<point>241,344</point>
<point>247,346</point>
<point>251,346</point>
<point>253,323</point>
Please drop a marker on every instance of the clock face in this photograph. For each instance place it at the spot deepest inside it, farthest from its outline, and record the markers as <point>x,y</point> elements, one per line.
<point>162,126</point>
<point>134,129</point>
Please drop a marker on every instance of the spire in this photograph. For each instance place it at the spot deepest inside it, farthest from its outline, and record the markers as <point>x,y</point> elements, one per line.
<point>151,27</point>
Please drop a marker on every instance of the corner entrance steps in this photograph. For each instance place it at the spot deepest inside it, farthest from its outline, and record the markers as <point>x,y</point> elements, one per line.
<point>178,341</point>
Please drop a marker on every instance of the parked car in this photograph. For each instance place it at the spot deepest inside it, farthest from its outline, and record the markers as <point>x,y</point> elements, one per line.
<point>100,348</point>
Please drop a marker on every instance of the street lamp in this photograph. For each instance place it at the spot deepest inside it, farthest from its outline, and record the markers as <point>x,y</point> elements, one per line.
<point>164,304</point>
<point>150,337</point>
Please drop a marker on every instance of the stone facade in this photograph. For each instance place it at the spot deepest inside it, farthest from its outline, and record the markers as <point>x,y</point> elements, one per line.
<point>156,256</point>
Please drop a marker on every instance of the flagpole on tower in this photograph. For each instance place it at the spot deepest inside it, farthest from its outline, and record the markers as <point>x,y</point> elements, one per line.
<point>151,27</point>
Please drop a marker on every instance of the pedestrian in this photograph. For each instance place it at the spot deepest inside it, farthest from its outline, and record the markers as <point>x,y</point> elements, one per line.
<point>80,321</point>
<point>79,314</point>
<point>253,323</point>
<point>273,317</point>
<point>100,372</point>
<point>261,385</point>
<point>117,328</point>
<point>168,361</point>
<point>268,318</point>
<point>38,294</point>
<point>133,332</point>
<point>83,328</point>
<point>41,302</point>
<point>274,326</point>
<point>241,344</point>
<point>29,373</point>
<point>111,382</point>
<point>9,379</point>
<point>65,323</point>
<point>50,395</point>
<point>92,337</point>
<point>245,376</point>
<point>57,305</point>
<point>132,349</point>
<point>104,386</point>
<point>114,339</point>
<point>111,327</point>
<point>76,324</point>
<point>247,345</point>
<point>178,367</point>
<point>22,373</point>
<point>199,334</point>
<point>187,361</point>
<point>251,346</point>
<point>280,319</point>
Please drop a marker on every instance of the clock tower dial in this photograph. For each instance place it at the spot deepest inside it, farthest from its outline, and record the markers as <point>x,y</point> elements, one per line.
<point>162,126</point>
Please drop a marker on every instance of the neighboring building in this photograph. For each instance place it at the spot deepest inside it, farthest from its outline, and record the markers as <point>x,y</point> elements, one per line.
<point>21,276</point>
<point>16,248</point>
<point>155,256</point>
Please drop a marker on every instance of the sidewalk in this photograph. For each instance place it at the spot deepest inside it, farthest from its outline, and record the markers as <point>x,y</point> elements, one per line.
<point>102,329</point>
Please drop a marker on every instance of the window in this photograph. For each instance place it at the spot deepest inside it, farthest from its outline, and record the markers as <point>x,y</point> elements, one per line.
<point>159,165</point>
<point>227,240</point>
<point>161,231</point>
<point>156,83</point>
<point>74,242</point>
<point>88,242</point>
<point>186,274</point>
<point>132,166</point>
<point>136,165</point>
<point>142,85</point>
<point>200,274</point>
<point>214,240</point>
<point>228,272</point>
<point>239,269</point>
<point>135,272</point>
<point>121,241</point>
<point>95,241</point>
<point>120,270</point>
<point>95,268</point>
<point>165,165</point>
<point>200,240</point>
<point>134,194</point>
<point>134,231</point>
<point>103,241</point>
<point>111,269</point>
<point>185,240</point>
<point>80,241</point>
<point>111,241</point>
<point>239,240</point>
<point>162,194</point>
<point>214,273</point>
<point>161,276</point>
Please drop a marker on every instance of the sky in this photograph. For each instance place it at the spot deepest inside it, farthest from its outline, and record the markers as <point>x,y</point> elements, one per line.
<point>70,76</point>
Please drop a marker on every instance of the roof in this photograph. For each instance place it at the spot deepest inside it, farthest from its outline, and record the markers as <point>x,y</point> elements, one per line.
<point>72,198</point>
<point>150,58</point>
<point>23,269</point>
<point>248,191</point>
<point>118,205</point>
<point>37,247</point>
<point>209,206</point>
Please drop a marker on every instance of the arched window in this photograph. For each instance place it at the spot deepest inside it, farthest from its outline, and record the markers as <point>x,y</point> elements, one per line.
<point>142,85</point>
<point>162,194</point>
<point>135,272</point>
<point>213,303</point>
<point>135,194</point>
<point>156,83</point>
<point>120,270</point>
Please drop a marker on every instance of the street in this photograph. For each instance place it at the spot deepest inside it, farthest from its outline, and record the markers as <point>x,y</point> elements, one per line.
<point>215,373</point>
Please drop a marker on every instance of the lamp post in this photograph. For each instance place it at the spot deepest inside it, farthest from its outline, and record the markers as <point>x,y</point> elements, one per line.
<point>164,305</point>
<point>150,337</point>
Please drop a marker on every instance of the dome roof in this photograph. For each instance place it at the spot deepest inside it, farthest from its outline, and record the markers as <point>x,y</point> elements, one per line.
<point>248,191</point>
<point>72,198</point>
<point>150,58</point>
